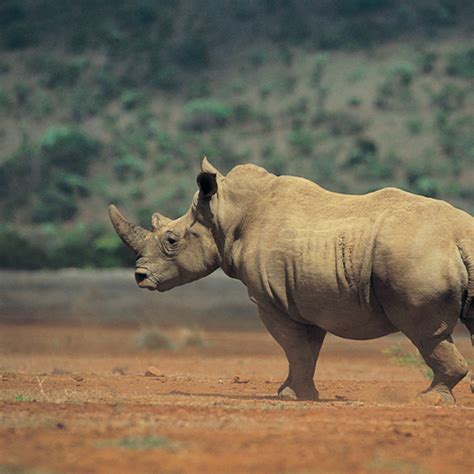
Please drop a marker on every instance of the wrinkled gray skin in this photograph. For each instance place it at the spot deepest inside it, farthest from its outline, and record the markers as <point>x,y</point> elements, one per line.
<point>315,261</point>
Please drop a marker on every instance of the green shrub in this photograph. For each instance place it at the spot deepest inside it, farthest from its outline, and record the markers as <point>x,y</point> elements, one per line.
<point>107,84</point>
<point>427,61</point>
<point>192,53</point>
<point>86,246</point>
<point>85,102</point>
<point>18,36</point>
<point>167,77</point>
<point>18,251</point>
<point>154,339</point>
<point>22,93</point>
<point>5,102</point>
<point>132,99</point>
<point>41,104</point>
<point>426,186</point>
<point>242,112</point>
<point>57,72</point>
<point>19,178</point>
<point>414,126</point>
<point>450,97</point>
<point>354,101</point>
<point>302,141</point>
<point>70,184</point>
<point>69,148</point>
<point>341,123</point>
<point>205,114</point>
<point>461,63</point>
<point>402,73</point>
<point>128,168</point>
<point>53,205</point>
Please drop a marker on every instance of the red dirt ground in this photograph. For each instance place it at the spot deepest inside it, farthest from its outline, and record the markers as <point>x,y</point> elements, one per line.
<point>77,400</point>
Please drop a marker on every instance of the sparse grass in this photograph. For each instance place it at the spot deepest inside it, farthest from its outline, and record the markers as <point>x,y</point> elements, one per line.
<point>411,359</point>
<point>136,443</point>
<point>400,466</point>
<point>154,339</point>
<point>192,338</point>
<point>23,398</point>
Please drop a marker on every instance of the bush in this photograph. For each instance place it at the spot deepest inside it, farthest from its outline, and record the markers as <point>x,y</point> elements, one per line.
<point>53,205</point>
<point>17,251</point>
<point>427,61</point>
<point>58,72</point>
<point>414,126</point>
<point>69,148</point>
<point>205,114</point>
<point>4,100</point>
<point>461,63</point>
<point>86,246</point>
<point>71,185</point>
<point>302,141</point>
<point>18,178</point>
<point>450,97</point>
<point>402,73</point>
<point>128,168</point>
<point>132,99</point>
<point>242,112</point>
<point>354,101</point>
<point>341,123</point>
<point>18,36</point>
<point>154,339</point>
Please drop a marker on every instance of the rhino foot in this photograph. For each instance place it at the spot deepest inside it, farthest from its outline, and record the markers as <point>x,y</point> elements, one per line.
<point>436,396</point>
<point>287,393</point>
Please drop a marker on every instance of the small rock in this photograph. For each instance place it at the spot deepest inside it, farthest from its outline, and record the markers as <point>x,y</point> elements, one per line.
<point>60,426</point>
<point>154,372</point>
<point>78,378</point>
<point>237,379</point>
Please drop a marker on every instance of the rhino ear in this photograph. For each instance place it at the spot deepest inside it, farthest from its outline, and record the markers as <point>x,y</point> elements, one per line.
<point>206,167</point>
<point>158,220</point>
<point>207,183</point>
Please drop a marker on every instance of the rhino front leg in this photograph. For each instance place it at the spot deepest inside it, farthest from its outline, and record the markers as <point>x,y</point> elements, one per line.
<point>301,344</point>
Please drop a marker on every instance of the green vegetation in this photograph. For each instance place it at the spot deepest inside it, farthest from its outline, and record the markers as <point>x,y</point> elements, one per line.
<point>23,398</point>
<point>118,101</point>
<point>154,339</point>
<point>137,443</point>
<point>408,359</point>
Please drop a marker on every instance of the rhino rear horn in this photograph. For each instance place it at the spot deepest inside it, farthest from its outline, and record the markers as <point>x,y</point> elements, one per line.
<point>131,234</point>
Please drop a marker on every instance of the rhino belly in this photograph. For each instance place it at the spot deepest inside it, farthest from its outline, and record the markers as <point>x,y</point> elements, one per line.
<point>324,278</point>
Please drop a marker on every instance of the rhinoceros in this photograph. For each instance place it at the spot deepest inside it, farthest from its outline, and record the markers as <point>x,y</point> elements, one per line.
<point>316,261</point>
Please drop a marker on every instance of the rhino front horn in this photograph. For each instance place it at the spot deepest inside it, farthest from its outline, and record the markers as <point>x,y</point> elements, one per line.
<point>131,234</point>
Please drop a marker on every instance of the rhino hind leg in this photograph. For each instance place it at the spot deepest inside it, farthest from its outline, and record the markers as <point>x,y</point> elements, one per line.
<point>448,365</point>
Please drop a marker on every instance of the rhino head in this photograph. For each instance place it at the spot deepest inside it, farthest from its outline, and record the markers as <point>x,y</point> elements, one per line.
<point>175,252</point>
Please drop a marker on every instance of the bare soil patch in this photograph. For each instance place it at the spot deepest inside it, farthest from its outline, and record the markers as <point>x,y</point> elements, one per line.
<point>77,399</point>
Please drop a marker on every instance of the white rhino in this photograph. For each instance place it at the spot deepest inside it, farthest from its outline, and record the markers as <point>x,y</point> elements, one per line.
<point>316,261</point>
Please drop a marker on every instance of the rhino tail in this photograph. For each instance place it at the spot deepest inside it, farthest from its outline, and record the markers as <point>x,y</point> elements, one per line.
<point>466,250</point>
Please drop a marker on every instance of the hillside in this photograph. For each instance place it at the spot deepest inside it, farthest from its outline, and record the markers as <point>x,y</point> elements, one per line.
<point>118,103</point>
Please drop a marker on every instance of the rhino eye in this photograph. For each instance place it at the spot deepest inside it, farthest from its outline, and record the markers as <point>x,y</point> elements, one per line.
<point>171,241</point>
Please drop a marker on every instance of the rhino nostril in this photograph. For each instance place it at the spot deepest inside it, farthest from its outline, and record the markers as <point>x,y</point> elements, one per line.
<point>140,274</point>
